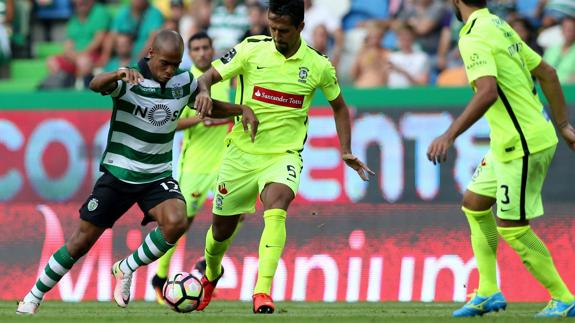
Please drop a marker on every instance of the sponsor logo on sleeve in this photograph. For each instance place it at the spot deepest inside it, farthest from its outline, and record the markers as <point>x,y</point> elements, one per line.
<point>475,61</point>
<point>229,56</point>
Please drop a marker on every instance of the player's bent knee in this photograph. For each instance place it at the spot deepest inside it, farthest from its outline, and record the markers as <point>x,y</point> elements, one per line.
<point>475,202</point>
<point>222,232</point>
<point>174,224</point>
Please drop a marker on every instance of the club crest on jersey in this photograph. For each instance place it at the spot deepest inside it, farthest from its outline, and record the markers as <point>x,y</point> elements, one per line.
<point>222,188</point>
<point>229,56</point>
<point>303,72</point>
<point>159,115</point>
<point>93,204</point>
<point>177,91</point>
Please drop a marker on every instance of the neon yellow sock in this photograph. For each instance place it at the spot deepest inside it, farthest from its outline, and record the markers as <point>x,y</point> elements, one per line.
<point>164,261</point>
<point>537,259</point>
<point>271,247</point>
<point>214,253</point>
<point>484,241</point>
<point>238,227</point>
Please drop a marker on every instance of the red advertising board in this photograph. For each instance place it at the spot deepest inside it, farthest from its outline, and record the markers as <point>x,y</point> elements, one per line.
<point>399,237</point>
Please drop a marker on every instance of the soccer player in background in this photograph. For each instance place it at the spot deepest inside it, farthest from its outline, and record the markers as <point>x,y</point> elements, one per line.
<point>202,151</point>
<point>500,67</point>
<point>277,76</point>
<point>137,165</point>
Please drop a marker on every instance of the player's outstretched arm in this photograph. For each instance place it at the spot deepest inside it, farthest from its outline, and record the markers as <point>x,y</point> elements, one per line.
<point>249,120</point>
<point>343,128</point>
<point>484,98</point>
<point>186,123</point>
<point>106,82</point>
<point>551,87</point>
<point>204,100</point>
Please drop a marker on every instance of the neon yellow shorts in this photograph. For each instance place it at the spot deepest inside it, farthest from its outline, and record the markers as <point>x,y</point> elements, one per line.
<point>242,176</point>
<point>516,184</point>
<point>195,188</point>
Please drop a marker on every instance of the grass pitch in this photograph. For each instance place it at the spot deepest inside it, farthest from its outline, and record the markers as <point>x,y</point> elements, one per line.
<point>231,312</point>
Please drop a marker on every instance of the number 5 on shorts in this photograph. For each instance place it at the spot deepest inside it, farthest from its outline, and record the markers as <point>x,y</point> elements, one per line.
<point>291,171</point>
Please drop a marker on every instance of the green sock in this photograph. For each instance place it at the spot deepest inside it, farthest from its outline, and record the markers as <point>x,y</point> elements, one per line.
<point>153,247</point>
<point>537,259</point>
<point>214,253</point>
<point>58,265</point>
<point>271,247</point>
<point>484,241</point>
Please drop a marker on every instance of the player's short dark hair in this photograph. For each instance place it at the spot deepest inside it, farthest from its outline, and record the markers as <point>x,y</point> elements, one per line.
<point>292,8</point>
<point>198,36</point>
<point>476,3</point>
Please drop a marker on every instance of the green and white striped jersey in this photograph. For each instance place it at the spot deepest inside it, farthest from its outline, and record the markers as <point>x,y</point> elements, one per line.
<point>144,119</point>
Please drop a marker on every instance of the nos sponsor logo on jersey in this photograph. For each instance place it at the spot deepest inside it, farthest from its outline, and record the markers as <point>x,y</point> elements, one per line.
<point>278,98</point>
<point>159,115</point>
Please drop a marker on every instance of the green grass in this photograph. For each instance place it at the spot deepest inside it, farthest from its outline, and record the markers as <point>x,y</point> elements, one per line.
<point>231,312</point>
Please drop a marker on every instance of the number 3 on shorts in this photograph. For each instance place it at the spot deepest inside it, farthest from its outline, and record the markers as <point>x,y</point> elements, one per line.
<point>505,199</point>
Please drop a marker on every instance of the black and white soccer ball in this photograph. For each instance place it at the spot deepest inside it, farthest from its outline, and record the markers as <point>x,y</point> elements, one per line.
<point>183,292</point>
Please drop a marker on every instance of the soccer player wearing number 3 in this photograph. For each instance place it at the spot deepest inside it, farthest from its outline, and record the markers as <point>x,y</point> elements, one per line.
<point>137,165</point>
<point>500,67</point>
<point>277,77</point>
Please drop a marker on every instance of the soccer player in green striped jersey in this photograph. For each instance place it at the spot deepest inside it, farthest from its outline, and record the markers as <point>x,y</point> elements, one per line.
<point>137,165</point>
<point>202,151</point>
<point>500,68</point>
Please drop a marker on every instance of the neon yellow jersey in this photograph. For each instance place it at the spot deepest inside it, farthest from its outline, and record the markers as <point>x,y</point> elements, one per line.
<point>203,145</point>
<point>519,124</point>
<point>279,90</point>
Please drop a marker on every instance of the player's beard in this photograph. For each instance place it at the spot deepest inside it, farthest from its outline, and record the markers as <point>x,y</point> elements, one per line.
<point>282,48</point>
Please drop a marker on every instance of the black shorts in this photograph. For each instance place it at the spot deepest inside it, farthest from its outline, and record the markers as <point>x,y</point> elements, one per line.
<point>111,198</point>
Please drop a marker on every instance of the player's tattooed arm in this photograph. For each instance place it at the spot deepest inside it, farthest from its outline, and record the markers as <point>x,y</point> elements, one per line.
<point>204,103</point>
<point>343,128</point>
<point>551,87</point>
<point>107,82</point>
<point>483,99</point>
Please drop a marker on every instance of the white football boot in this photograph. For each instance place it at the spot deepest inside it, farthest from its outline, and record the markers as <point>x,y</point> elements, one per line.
<point>123,284</point>
<point>28,308</point>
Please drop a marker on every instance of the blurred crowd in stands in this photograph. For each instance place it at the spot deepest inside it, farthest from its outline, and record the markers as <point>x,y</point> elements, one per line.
<point>373,43</point>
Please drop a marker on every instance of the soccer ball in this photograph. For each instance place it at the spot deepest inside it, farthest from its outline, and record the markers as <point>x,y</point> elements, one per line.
<point>183,292</point>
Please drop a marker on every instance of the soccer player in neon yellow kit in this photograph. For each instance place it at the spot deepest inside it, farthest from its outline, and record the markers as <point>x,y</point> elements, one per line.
<point>202,150</point>
<point>277,76</point>
<point>500,67</point>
